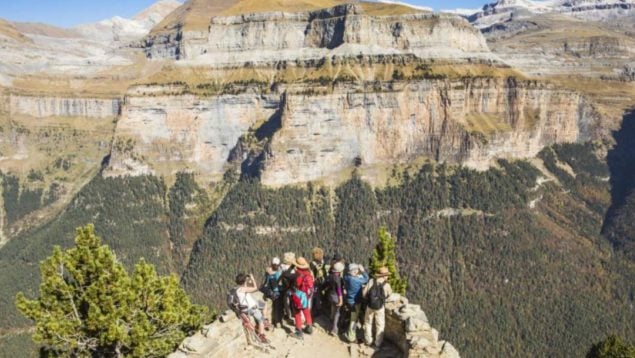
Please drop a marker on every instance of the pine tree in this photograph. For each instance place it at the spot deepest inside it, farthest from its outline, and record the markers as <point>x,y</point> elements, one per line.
<point>90,306</point>
<point>612,347</point>
<point>384,254</point>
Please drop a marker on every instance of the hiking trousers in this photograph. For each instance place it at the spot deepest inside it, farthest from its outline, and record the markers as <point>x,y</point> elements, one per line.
<point>335,317</point>
<point>351,335</point>
<point>277,307</point>
<point>297,315</point>
<point>379,317</point>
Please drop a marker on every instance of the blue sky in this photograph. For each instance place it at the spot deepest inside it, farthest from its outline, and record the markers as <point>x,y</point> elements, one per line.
<point>68,13</point>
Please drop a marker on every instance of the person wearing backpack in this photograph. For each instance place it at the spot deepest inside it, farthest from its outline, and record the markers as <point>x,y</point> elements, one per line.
<point>354,282</point>
<point>320,270</point>
<point>335,293</point>
<point>242,301</point>
<point>271,290</point>
<point>376,292</point>
<point>301,297</point>
<point>286,280</point>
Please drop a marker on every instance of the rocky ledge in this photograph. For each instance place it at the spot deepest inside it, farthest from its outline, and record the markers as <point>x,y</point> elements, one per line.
<point>407,328</point>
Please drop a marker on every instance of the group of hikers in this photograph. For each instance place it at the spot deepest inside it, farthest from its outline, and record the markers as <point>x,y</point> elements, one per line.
<point>300,290</point>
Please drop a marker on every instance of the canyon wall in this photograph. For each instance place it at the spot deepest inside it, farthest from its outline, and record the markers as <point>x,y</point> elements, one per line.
<point>276,36</point>
<point>47,106</point>
<point>162,134</point>
<point>315,133</point>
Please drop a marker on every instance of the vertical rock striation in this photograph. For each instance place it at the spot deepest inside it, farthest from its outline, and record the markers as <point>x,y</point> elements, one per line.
<point>46,106</point>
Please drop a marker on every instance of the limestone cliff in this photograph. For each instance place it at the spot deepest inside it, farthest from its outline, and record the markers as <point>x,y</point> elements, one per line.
<point>314,133</point>
<point>352,29</point>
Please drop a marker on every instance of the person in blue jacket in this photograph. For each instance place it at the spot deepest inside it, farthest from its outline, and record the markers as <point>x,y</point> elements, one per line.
<point>354,283</point>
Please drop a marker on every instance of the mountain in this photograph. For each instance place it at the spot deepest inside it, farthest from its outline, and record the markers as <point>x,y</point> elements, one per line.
<point>595,10</point>
<point>209,138</point>
<point>122,30</point>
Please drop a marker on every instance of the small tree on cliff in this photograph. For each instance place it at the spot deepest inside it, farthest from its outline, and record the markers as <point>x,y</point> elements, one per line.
<point>384,254</point>
<point>90,306</point>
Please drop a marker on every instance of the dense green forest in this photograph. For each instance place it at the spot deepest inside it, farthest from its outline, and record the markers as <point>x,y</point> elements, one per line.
<point>507,262</point>
<point>502,266</point>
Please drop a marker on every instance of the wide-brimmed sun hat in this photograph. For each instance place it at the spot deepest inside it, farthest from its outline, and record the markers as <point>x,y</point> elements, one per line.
<point>353,267</point>
<point>288,258</point>
<point>338,267</point>
<point>275,261</point>
<point>382,272</point>
<point>301,263</point>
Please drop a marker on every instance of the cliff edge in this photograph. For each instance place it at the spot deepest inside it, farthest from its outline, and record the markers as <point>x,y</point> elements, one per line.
<point>407,330</point>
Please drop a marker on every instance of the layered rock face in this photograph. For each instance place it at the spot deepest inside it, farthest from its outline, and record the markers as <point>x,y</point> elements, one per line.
<point>183,132</point>
<point>470,122</point>
<point>316,135</point>
<point>44,106</point>
<point>594,10</point>
<point>350,29</point>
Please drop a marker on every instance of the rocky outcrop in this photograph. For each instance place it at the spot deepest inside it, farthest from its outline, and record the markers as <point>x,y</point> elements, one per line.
<point>407,328</point>
<point>345,30</point>
<point>313,133</point>
<point>45,106</point>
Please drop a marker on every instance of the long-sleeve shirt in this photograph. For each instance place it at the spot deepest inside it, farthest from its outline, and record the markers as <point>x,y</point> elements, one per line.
<point>335,286</point>
<point>354,285</point>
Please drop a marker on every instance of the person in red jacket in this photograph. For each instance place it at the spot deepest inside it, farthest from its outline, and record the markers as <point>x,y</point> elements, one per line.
<point>301,297</point>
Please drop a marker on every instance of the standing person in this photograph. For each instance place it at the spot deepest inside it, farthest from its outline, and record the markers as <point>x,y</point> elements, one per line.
<point>301,298</point>
<point>287,278</point>
<point>354,282</point>
<point>271,289</point>
<point>376,292</point>
<point>320,270</point>
<point>335,291</point>
<point>254,308</point>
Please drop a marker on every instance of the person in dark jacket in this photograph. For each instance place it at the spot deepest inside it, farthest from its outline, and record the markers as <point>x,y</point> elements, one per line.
<point>287,279</point>
<point>320,271</point>
<point>335,294</point>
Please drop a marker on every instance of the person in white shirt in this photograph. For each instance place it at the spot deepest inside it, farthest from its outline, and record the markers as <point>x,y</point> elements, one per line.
<point>255,308</point>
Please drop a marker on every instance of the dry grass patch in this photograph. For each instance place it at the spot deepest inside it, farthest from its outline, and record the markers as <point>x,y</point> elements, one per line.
<point>486,123</point>
<point>255,6</point>
<point>7,29</point>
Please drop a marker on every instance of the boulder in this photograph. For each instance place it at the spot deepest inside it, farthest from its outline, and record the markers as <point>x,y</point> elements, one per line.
<point>448,351</point>
<point>416,324</point>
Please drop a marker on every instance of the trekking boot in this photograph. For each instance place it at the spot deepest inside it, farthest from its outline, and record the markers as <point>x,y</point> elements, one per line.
<point>263,339</point>
<point>308,329</point>
<point>298,334</point>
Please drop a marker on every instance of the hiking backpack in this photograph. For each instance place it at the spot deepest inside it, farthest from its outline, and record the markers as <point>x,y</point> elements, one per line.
<point>376,296</point>
<point>270,288</point>
<point>233,301</point>
<point>304,283</point>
